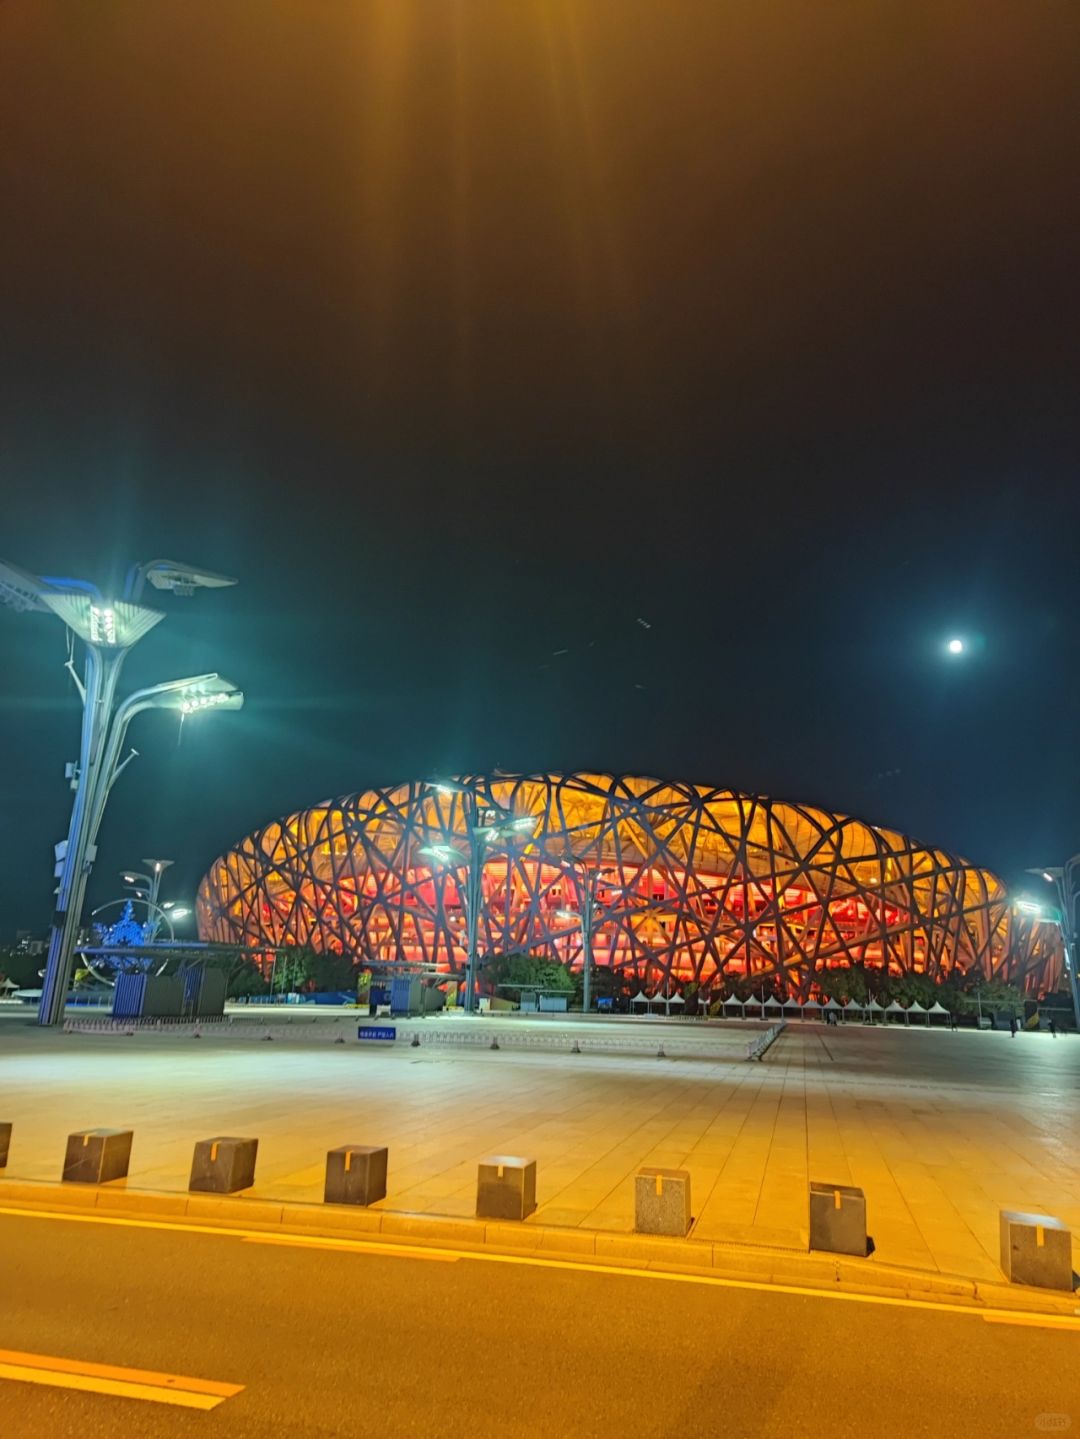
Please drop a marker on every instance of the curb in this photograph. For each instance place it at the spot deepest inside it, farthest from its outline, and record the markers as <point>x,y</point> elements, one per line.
<point>829,1273</point>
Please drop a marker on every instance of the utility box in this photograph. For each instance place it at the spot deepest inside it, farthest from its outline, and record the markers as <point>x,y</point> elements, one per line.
<point>838,1219</point>
<point>1036,1249</point>
<point>203,991</point>
<point>404,995</point>
<point>505,1187</point>
<point>223,1166</point>
<point>94,1156</point>
<point>355,1174</point>
<point>147,996</point>
<point>163,996</point>
<point>5,1144</point>
<point>662,1201</point>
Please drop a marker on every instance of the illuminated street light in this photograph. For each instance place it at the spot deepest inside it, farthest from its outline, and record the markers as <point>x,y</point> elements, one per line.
<point>956,646</point>
<point>152,880</point>
<point>485,824</point>
<point>108,628</point>
<point>442,852</point>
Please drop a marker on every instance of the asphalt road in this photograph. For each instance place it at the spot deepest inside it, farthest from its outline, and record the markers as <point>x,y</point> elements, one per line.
<point>367,1341</point>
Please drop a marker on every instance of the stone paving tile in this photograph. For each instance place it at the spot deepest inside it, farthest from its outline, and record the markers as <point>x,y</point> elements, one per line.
<point>940,1130</point>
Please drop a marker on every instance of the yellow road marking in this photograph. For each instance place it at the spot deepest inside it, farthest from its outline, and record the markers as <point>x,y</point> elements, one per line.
<point>899,1301</point>
<point>145,1384</point>
<point>311,1241</point>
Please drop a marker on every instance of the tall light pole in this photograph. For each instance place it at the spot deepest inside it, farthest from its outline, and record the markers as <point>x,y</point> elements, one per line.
<point>1063,878</point>
<point>588,882</point>
<point>147,888</point>
<point>485,822</point>
<point>157,868</point>
<point>108,630</point>
<point>150,881</point>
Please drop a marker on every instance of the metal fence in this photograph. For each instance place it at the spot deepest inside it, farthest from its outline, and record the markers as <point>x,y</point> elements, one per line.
<point>473,1036</point>
<point>756,1047</point>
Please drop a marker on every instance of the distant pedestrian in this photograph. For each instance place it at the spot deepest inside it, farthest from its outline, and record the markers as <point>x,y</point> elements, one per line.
<point>1053,1027</point>
<point>1012,1026</point>
<point>952,1022</point>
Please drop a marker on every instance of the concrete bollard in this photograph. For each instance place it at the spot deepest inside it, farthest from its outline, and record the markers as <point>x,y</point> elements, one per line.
<point>1036,1249</point>
<point>94,1156</point>
<point>355,1174</point>
<point>5,1144</point>
<point>505,1187</point>
<point>838,1219</point>
<point>222,1166</point>
<point>662,1201</point>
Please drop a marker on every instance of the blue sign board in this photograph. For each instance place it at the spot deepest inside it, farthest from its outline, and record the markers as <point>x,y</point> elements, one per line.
<point>376,1031</point>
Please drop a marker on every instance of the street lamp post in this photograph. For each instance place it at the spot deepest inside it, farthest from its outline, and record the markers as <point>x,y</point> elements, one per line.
<point>1063,878</point>
<point>588,881</point>
<point>482,828</point>
<point>147,886</point>
<point>157,868</point>
<point>182,695</point>
<point>108,629</point>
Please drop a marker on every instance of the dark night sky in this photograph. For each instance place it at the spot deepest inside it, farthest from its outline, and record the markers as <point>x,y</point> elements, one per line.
<point>465,331</point>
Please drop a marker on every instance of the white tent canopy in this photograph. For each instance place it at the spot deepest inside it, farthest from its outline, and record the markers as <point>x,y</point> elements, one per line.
<point>640,998</point>
<point>773,1003</point>
<point>854,1004</point>
<point>790,1003</point>
<point>831,1003</point>
<point>873,1007</point>
<point>895,1008</point>
<point>734,999</point>
<point>811,1004</point>
<point>676,999</point>
<point>937,1008</point>
<point>917,1008</point>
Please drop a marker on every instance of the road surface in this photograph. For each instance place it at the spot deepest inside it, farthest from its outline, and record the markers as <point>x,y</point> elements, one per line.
<point>268,1335</point>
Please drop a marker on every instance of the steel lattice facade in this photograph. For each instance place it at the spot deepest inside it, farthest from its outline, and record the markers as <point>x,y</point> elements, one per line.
<point>693,884</point>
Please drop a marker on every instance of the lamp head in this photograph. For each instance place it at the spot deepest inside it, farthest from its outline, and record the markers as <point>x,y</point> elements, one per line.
<point>21,590</point>
<point>183,579</point>
<point>105,624</point>
<point>442,852</point>
<point>207,692</point>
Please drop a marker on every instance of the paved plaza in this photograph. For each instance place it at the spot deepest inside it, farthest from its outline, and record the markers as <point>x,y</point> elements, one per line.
<point>941,1129</point>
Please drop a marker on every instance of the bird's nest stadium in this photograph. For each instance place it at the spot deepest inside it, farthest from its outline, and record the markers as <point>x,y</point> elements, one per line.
<point>683,883</point>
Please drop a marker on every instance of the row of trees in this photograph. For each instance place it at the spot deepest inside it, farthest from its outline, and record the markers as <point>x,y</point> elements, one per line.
<point>960,994</point>
<point>301,968</point>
